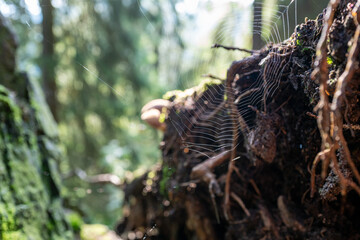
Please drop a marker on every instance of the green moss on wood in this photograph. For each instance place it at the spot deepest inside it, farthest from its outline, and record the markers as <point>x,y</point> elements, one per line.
<point>30,200</point>
<point>178,95</point>
<point>30,203</point>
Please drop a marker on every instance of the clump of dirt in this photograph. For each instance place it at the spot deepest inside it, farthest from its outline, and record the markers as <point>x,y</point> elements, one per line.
<point>238,156</point>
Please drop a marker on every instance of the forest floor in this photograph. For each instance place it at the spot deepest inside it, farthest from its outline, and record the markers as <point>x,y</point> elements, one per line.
<point>270,152</point>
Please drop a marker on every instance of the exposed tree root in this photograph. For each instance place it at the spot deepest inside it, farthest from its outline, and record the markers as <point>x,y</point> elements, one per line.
<point>330,116</point>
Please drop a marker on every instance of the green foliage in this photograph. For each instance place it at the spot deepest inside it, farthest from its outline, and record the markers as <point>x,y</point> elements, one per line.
<point>329,60</point>
<point>299,43</point>
<point>75,221</point>
<point>108,43</point>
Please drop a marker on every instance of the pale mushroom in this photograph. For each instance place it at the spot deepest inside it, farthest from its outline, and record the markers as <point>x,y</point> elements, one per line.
<point>152,111</point>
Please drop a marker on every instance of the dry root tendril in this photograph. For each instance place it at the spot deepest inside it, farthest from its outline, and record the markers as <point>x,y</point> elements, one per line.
<point>330,116</point>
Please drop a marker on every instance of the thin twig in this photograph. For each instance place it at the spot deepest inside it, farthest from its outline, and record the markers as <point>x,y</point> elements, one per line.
<point>241,203</point>
<point>213,113</point>
<point>253,184</point>
<point>204,172</point>
<point>100,178</point>
<point>352,127</point>
<point>213,201</point>
<point>283,104</point>
<point>246,93</point>
<point>311,115</point>
<point>237,171</point>
<point>234,48</point>
<point>315,163</point>
<point>346,116</point>
<point>212,76</point>
<point>105,178</point>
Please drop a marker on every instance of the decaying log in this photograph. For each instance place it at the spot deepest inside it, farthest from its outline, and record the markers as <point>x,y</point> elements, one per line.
<point>240,155</point>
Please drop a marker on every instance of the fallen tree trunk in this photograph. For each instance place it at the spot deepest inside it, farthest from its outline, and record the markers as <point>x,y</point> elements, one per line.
<point>240,155</point>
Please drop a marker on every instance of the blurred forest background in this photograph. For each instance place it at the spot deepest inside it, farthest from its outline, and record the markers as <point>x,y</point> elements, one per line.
<point>100,61</point>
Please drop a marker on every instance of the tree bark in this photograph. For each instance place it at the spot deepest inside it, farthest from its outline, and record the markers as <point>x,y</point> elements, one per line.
<point>30,199</point>
<point>48,58</point>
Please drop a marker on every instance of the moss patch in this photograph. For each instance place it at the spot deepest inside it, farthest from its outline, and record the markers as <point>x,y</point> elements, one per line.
<point>30,205</point>
<point>178,95</point>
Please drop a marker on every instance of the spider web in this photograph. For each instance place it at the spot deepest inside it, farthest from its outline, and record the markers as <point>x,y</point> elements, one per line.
<point>211,127</point>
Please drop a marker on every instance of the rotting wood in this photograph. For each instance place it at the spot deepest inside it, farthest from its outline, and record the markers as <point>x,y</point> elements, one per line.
<point>193,149</point>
